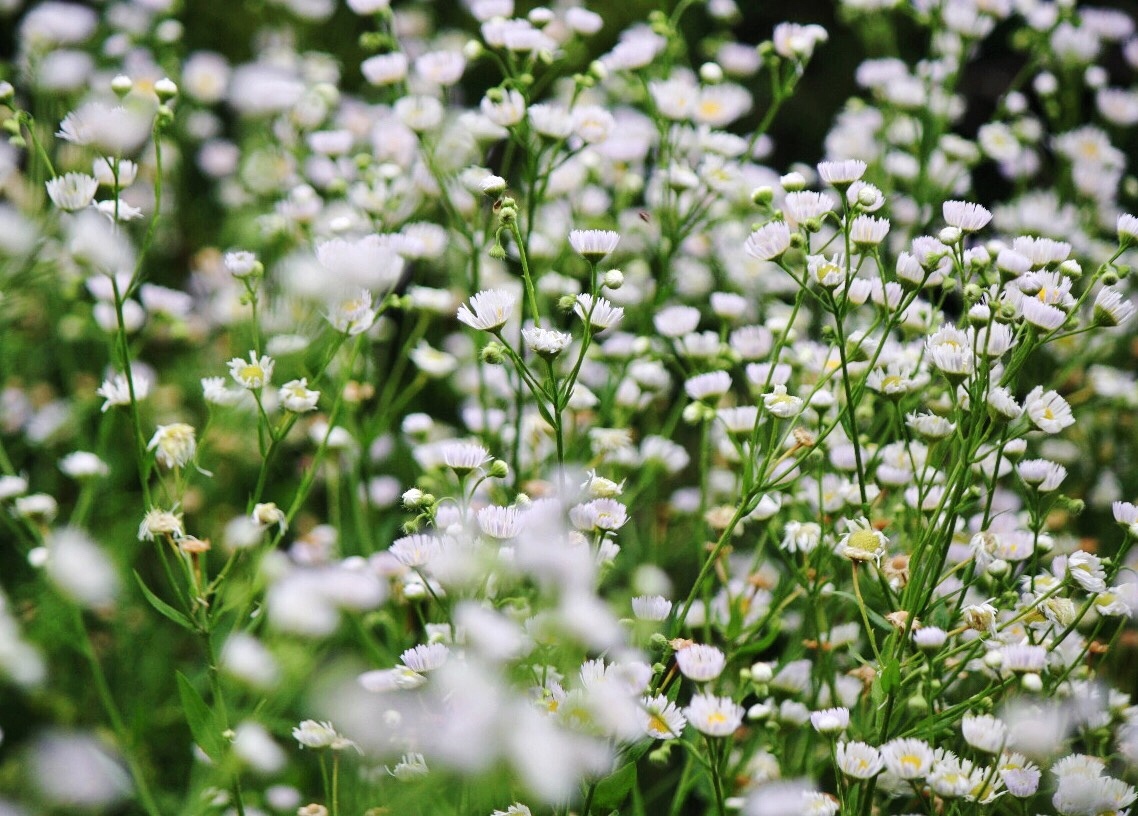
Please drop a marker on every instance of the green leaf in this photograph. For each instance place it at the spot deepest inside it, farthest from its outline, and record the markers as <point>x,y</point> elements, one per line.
<point>614,788</point>
<point>164,608</point>
<point>203,723</point>
<point>891,676</point>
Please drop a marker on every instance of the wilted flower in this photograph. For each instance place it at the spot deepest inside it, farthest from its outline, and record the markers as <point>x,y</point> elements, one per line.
<point>174,445</point>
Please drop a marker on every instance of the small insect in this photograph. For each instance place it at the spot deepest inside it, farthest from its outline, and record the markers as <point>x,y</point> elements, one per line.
<point>645,216</point>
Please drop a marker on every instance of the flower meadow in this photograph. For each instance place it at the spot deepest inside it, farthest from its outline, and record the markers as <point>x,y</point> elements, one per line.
<point>503,413</point>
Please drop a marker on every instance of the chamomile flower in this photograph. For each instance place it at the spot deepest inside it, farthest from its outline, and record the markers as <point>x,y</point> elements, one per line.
<point>858,760</point>
<point>254,373</point>
<point>1048,411</point>
<point>72,191</point>
<point>700,662</point>
<point>714,716</point>
<point>862,542</point>
<point>296,396</point>
<point>488,310</point>
<point>592,244</point>
<point>769,242</point>
<point>907,758</point>
<point>661,718</point>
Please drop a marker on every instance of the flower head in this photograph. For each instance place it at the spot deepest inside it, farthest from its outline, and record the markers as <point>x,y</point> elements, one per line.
<point>714,716</point>
<point>769,242</point>
<point>592,244</point>
<point>488,310</point>
<point>173,445</point>
<point>253,373</point>
<point>861,542</point>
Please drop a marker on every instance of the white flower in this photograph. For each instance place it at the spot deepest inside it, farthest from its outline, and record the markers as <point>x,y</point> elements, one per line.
<point>966,216</point>
<point>160,523</point>
<point>1048,411</point>
<point>651,607</point>
<point>858,760</point>
<point>72,191</point>
<point>353,316</point>
<point>867,231</point>
<point>296,396</point>
<point>708,387</point>
<point>464,456</point>
<point>443,68</point>
<point>504,108</point>
<point>592,244</point>
<point>500,522</point>
<point>1087,571</point>
<point>700,662</point>
<point>592,123</point>
<point>861,542</point>
<point>583,21</point>
<point>799,536</point>
<point>841,173</point>
<point>385,69</point>
<point>797,42</point>
<point>781,404</point>
<point>240,263</point>
<point>714,716</point>
<point>253,373</point>
<point>830,720</point>
<point>215,392</point>
<point>769,242</point>
<point>12,486</point>
<point>907,758</point>
<point>1042,474</point>
<point>1042,315</point>
<point>313,734</point>
<point>267,514</point>
<point>425,658</point>
<point>174,445</point>
<point>1127,227</point>
<point>415,550</point>
<point>83,465</point>
<point>546,343</point>
<point>599,314</point>
<point>1112,308</point>
<point>488,310</point>
<point>984,732</point>
<point>599,515</point>
<point>410,766</point>
<point>661,718</point>
<point>114,130</point>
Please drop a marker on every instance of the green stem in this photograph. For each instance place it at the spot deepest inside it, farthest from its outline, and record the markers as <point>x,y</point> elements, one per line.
<point>145,797</point>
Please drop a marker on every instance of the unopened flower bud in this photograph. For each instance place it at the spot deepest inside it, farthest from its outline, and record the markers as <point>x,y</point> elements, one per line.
<point>949,236</point>
<point>614,279</point>
<point>710,73</point>
<point>998,567</point>
<point>493,186</point>
<point>1032,682</point>
<point>761,672</point>
<point>165,89</point>
<point>122,85</point>
<point>493,354</point>
<point>762,196</point>
<point>472,50</point>
<point>498,469</point>
<point>793,182</point>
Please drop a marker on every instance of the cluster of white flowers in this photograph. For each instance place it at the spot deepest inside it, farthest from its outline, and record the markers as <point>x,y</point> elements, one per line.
<point>571,432</point>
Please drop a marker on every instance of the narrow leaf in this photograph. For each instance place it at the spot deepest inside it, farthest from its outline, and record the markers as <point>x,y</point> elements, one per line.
<point>203,724</point>
<point>164,608</point>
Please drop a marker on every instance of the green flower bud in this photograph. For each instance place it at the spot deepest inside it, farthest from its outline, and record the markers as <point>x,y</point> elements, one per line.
<point>493,354</point>
<point>498,469</point>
